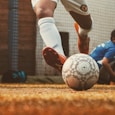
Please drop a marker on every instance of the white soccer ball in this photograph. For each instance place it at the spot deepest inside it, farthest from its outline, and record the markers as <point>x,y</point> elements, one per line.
<point>80,72</point>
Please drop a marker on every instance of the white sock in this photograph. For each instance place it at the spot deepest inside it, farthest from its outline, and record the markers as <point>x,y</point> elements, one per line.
<point>83,32</point>
<point>50,34</point>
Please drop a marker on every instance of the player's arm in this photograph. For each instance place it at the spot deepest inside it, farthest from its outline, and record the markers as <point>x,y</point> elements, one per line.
<point>105,63</point>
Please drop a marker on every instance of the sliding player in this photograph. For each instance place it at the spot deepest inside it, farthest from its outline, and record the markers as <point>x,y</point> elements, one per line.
<point>104,55</point>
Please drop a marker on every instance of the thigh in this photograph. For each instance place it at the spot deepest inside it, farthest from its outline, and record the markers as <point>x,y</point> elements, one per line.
<point>113,68</point>
<point>44,8</point>
<point>104,77</point>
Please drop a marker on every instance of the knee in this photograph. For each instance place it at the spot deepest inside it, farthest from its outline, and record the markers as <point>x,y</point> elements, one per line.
<point>41,13</point>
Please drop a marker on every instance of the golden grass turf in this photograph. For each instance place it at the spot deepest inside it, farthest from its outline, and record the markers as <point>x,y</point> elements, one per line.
<point>56,99</point>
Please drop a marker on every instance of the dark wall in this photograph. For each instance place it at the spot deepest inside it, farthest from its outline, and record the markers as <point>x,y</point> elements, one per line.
<point>26,38</point>
<point>3,35</point>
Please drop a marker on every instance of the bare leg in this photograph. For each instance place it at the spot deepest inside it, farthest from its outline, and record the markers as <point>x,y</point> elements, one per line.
<point>44,10</point>
<point>53,52</point>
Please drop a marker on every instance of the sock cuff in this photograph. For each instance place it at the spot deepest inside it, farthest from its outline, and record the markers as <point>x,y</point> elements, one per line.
<point>46,20</point>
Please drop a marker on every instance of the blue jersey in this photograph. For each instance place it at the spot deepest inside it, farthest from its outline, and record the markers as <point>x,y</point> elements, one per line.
<point>106,49</point>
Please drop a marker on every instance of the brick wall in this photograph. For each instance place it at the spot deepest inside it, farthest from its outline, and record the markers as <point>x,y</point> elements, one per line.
<point>26,38</point>
<point>3,35</point>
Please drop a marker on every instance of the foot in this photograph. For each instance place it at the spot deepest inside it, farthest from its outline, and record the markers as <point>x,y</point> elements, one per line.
<point>53,59</point>
<point>83,42</point>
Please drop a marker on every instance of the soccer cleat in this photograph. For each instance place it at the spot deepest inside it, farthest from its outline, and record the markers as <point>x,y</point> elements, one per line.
<point>83,43</point>
<point>53,59</point>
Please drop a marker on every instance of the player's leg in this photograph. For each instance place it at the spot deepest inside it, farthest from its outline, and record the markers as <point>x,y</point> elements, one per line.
<point>78,9</point>
<point>112,79</point>
<point>44,10</point>
<point>105,77</point>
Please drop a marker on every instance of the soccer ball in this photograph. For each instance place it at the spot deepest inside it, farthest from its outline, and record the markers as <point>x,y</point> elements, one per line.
<point>80,72</point>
